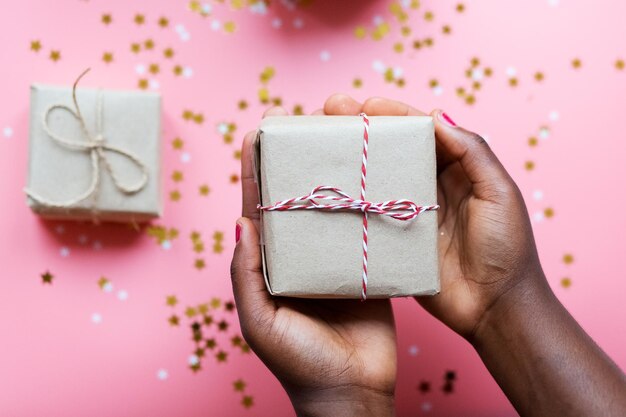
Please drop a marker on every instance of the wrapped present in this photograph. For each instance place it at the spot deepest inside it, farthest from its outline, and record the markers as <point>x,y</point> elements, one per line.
<point>348,206</point>
<point>94,154</point>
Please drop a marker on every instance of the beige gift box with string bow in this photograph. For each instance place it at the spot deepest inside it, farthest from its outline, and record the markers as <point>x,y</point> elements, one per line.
<point>318,253</point>
<point>108,170</point>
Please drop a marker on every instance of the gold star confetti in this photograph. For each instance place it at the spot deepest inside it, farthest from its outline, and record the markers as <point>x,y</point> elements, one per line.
<point>35,45</point>
<point>208,320</point>
<point>190,312</point>
<point>539,76</point>
<point>429,42</point>
<point>242,104</point>
<point>548,213</point>
<point>398,47</point>
<point>139,19</point>
<point>148,44</point>
<point>153,68</point>
<point>216,302</point>
<point>470,99</point>
<point>230,27</point>
<point>178,143</point>
<point>429,16</point>
<point>222,325</point>
<point>171,300</point>
<point>298,110</point>
<point>237,154</point>
<point>198,118</point>
<point>619,64</point>
<point>239,385</point>
<point>277,101</point>
<point>47,277</point>
<point>576,63</point>
<point>236,340</point>
<point>360,32</point>
<point>229,306</point>
<point>204,190</point>
<point>221,356</point>
<point>106,19</point>
<point>488,72</point>
<point>405,31</point>
<point>247,401</point>
<point>168,53</point>
<point>55,55</point>
<point>198,247</point>
<point>210,343</point>
<point>460,7</point>
<point>532,141</point>
<point>175,195</point>
<point>357,83</point>
<point>529,165</point>
<point>107,57</point>
<point>178,70</point>
<point>142,83</point>
<point>187,114</point>
<point>566,282</point>
<point>199,264</point>
<point>568,259</point>
<point>135,48</point>
<point>174,320</point>
<point>177,176</point>
<point>218,236</point>
<point>234,178</point>
<point>163,22</point>
<point>446,30</point>
<point>103,282</point>
<point>417,45</point>
<point>513,82</point>
<point>267,74</point>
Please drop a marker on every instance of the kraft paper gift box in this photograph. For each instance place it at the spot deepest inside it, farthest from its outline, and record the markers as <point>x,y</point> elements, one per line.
<point>107,169</point>
<point>318,253</point>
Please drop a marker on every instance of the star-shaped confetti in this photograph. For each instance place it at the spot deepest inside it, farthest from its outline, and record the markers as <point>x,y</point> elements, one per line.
<point>139,19</point>
<point>199,264</point>
<point>135,48</point>
<point>221,356</point>
<point>239,385</point>
<point>174,320</point>
<point>107,57</point>
<point>247,401</point>
<point>177,143</point>
<point>168,53</point>
<point>177,176</point>
<point>619,64</point>
<point>47,277</point>
<point>171,300</point>
<point>106,19</point>
<point>576,63</point>
<point>204,190</point>
<point>175,195</point>
<point>566,282</point>
<point>568,259</point>
<point>163,22</point>
<point>55,55</point>
<point>148,44</point>
<point>35,45</point>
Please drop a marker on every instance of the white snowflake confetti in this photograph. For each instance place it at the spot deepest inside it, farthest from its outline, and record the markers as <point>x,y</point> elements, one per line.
<point>122,295</point>
<point>379,66</point>
<point>413,350</point>
<point>154,84</point>
<point>398,72</point>
<point>538,217</point>
<point>222,128</point>
<point>538,195</point>
<point>511,72</point>
<point>107,287</point>
<point>216,25</point>
<point>8,132</point>
<point>166,245</point>
<point>438,90</point>
<point>554,115</point>
<point>96,318</point>
<point>325,56</point>
<point>162,374</point>
<point>64,251</point>
<point>187,72</point>
<point>185,157</point>
<point>140,69</point>
<point>477,74</point>
<point>544,133</point>
<point>193,360</point>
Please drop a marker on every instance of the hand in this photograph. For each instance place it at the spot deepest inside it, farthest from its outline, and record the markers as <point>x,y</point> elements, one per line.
<point>333,357</point>
<point>486,244</point>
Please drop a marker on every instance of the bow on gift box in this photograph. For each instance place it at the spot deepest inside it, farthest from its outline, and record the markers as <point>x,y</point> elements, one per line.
<point>97,148</point>
<point>396,209</point>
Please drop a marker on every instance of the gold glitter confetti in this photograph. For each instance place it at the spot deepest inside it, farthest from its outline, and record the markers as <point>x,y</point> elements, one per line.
<point>163,22</point>
<point>267,74</point>
<point>619,64</point>
<point>417,45</point>
<point>513,82</point>
<point>298,110</point>
<point>177,176</point>
<point>107,57</point>
<point>446,30</point>
<point>230,27</point>
<point>247,401</point>
<point>470,99</point>
<point>398,47</point>
<point>529,165</point>
<point>178,70</point>
<point>405,31</point>
<point>239,385</point>
<point>103,282</point>
<point>360,32</point>
<point>216,302</point>
<point>171,300</point>
<point>47,277</point>
<point>35,45</point>
<point>174,320</point>
<point>539,76</point>
<point>488,72</point>
<point>460,7</point>
<point>153,68</point>
<point>198,247</point>
<point>566,282</point>
<point>142,83</point>
<point>236,340</point>
<point>168,53</point>
<point>178,143</point>
<point>204,190</point>
<point>548,213</point>
<point>568,259</point>
<point>198,118</point>
<point>106,19</point>
<point>199,264</point>
<point>234,178</point>
<point>148,44</point>
<point>190,312</point>
<point>532,141</point>
<point>429,16</point>
<point>135,48</point>
<point>380,31</point>
<point>357,83</point>
<point>139,19</point>
<point>237,154</point>
<point>576,63</point>
<point>55,55</point>
<point>221,356</point>
<point>229,306</point>
<point>242,104</point>
<point>175,195</point>
<point>161,234</point>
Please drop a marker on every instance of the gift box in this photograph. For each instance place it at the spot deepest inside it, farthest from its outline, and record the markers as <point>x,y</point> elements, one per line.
<point>348,206</point>
<point>94,154</point>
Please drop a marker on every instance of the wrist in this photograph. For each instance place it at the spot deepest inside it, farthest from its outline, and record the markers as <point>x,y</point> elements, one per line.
<point>342,401</point>
<point>514,310</point>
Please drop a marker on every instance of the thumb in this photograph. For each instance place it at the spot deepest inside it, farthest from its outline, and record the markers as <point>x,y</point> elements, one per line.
<point>255,305</point>
<point>481,166</point>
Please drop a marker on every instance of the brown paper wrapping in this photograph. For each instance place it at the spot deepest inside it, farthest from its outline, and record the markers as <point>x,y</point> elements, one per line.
<point>130,121</point>
<point>316,254</point>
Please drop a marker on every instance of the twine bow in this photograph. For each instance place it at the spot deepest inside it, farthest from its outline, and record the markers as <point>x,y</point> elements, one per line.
<point>397,209</point>
<point>97,147</point>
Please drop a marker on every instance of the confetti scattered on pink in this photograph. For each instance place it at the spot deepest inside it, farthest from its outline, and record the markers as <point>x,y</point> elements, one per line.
<point>549,101</point>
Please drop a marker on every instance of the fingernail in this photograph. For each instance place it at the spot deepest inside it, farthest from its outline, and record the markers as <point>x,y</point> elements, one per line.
<point>447,119</point>
<point>237,233</point>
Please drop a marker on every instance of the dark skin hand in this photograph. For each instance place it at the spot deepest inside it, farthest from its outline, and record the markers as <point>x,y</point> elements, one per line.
<point>493,293</point>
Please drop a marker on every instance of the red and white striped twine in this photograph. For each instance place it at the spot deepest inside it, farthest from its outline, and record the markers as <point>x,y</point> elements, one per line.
<point>397,209</point>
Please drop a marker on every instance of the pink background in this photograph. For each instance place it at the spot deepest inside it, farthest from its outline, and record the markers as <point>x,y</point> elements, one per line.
<point>75,349</point>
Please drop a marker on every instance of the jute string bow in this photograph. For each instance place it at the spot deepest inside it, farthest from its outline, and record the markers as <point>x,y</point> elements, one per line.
<point>97,147</point>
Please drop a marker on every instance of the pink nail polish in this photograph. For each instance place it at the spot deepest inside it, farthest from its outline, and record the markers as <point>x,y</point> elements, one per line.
<point>237,233</point>
<point>448,119</point>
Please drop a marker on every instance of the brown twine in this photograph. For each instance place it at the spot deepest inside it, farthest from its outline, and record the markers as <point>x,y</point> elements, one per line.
<point>97,149</point>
